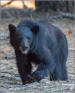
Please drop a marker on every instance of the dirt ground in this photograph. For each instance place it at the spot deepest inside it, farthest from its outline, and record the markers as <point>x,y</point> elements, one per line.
<point>10,81</point>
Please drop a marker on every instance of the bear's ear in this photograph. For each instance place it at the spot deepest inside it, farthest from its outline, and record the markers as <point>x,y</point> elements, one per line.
<point>12,28</point>
<point>35,29</point>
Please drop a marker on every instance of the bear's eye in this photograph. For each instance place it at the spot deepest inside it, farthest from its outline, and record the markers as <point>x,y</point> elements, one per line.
<point>19,40</point>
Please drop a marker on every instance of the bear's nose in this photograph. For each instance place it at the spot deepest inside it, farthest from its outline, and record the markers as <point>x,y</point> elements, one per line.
<point>24,47</point>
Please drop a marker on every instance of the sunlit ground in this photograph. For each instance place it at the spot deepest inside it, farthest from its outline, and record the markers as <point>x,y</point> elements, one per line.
<point>19,4</point>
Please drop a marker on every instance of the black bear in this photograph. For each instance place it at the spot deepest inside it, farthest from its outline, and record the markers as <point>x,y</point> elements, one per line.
<point>41,43</point>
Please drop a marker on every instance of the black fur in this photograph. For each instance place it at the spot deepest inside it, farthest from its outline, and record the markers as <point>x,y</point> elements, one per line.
<point>48,49</point>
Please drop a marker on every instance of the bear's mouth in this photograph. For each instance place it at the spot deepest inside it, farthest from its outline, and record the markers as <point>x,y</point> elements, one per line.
<point>24,50</point>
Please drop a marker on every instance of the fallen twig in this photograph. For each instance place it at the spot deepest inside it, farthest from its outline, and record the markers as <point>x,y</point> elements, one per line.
<point>5,50</point>
<point>73,49</point>
<point>3,37</point>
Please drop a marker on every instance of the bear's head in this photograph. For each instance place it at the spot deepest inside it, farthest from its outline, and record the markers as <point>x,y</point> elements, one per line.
<point>21,37</point>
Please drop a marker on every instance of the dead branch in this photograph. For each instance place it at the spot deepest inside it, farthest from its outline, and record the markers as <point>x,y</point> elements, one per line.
<point>63,15</point>
<point>8,3</point>
<point>23,4</point>
<point>67,15</point>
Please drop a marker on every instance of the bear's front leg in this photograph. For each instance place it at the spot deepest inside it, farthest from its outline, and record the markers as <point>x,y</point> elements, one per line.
<point>46,66</point>
<point>24,67</point>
